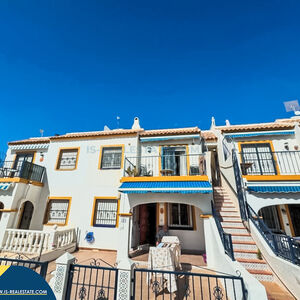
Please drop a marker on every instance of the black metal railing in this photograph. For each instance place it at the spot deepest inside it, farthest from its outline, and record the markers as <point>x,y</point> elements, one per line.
<point>92,282</point>
<point>22,169</point>
<point>225,143</point>
<point>239,186</point>
<point>270,163</point>
<point>165,165</point>
<point>37,266</point>
<point>226,238</point>
<point>282,245</point>
<point>172,285</point>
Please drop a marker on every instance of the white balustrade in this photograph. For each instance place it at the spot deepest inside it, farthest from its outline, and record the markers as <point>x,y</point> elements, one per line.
<point>24,241</point>
<point>36,242</point>
<point>64,237</point>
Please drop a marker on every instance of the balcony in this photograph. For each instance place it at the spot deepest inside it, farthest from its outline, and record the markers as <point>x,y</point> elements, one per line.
<point>165,165</point>
<point>270,163</point>
<point>23,169</point>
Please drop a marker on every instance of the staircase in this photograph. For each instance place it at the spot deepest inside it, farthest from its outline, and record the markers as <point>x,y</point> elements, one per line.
<point>244,247</point>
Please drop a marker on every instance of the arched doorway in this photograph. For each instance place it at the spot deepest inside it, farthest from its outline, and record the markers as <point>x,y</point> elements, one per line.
<point>1,207</point>
<point>26,216</point>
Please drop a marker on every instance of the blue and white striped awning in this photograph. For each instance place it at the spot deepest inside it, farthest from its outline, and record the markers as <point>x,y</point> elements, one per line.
<point>29,146</point>
<point>5,186</point>
<point>182,187</point>
<point>275,188</point>
<point>241,135</point>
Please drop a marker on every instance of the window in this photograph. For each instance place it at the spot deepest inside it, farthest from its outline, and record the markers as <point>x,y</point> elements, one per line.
<point>271,218</point>
<point>174,161</point>
<point>105,213</point>
<point>180,216</point>
<point>57,211</point>
<point>67,159</point>
<point>111,157</point>
<point>25,156</point>
<point>260,158</point>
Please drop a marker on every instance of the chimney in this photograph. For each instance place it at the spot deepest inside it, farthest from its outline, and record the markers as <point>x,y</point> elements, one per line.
<point>136,123</point>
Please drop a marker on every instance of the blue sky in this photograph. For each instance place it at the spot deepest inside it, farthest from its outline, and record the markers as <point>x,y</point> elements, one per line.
<point>75,65</point>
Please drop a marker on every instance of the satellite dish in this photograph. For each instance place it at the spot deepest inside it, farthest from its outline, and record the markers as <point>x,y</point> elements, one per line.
<point>292,106</point>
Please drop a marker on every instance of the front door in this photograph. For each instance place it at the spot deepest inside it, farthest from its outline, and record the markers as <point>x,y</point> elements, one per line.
<point>147,215</point>
<point>26,215</point>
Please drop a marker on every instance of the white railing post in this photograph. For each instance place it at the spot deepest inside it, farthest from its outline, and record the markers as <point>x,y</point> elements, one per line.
<point>124,263</point>
<point>59,282</point>
<point>52,238</point>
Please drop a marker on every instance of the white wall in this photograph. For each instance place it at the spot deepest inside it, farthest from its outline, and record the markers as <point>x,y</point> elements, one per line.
<point>202,201</point>
<point>192,240</point>
<point>259,200</point>
<point>85,183</point>
<point>220,262</point>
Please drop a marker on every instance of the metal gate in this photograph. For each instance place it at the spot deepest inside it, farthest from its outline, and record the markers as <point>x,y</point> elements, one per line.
<point>169,285</point>
<point>37,266</point>
<point>92,282</point>
<point>239,186</point>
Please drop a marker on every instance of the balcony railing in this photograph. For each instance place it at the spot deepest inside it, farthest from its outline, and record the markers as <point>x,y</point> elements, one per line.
<point>165,165</point>
<point>270,163</point>
<point>282,245</point>
<point>22,169</point>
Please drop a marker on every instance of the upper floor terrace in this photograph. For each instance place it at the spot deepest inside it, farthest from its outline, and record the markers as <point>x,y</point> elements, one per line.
<point>173,162</point>
<point>21,170</point>
<point>261,160</point>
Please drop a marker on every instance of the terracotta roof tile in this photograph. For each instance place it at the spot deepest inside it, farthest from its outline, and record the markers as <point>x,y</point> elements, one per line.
<point>95,134</point>
<point>40,140</point>
<point>208,135</point>
<point>256,127</point>
<point>172,131</point>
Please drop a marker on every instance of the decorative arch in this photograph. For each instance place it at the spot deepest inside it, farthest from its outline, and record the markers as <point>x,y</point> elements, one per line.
<point>26,215</point>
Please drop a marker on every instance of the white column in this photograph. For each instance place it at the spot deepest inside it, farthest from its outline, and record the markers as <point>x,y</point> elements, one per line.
<point>124,264</point>
<point>123,261</point>
<point>60,280</point>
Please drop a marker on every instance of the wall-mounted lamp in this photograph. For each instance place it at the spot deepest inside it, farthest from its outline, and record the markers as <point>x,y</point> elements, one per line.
<point>286,146</point>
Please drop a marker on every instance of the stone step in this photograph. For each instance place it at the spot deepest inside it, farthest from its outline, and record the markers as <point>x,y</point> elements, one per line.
<point>229,218</point>
<point>262,275</point>
<point>232,224</point>
<point>225,207</point>
<point>244,245</point>
<point>221,195</point>
<point>223,203</point>
<point>222,198</point>
<point>235,230</point>
<point>231,209</point>
<point>247,254</point>
<point>228,214</point>
<point>241,237</point>
<point>253,264</point>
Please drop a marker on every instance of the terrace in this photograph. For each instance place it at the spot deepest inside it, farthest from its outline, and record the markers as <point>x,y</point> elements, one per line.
<point>270,163</point>
<point>165,165</point>
<point>22,170</point>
